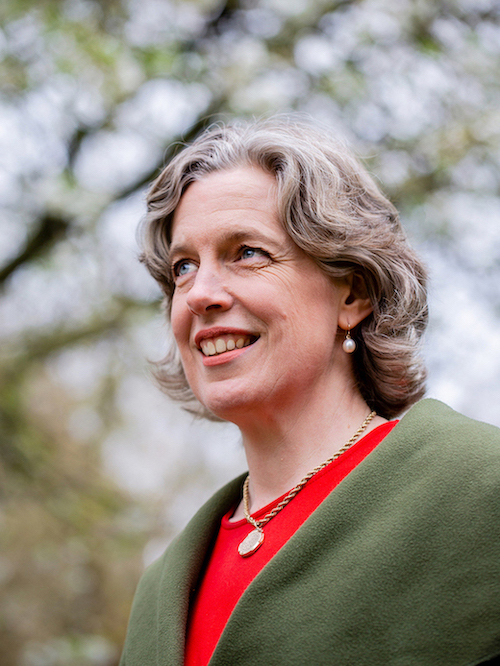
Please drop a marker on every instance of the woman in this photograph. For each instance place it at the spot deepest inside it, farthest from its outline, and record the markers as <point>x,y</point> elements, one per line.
<point>297,308</point>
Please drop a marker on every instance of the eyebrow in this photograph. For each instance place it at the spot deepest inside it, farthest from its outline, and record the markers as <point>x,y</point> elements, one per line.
<point>227,237</point>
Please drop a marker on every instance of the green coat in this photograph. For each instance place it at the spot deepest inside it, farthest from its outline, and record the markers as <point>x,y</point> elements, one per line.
<point>399,566</point>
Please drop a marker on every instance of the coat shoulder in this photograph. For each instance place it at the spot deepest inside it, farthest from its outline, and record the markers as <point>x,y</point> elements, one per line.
<point>446,435</point>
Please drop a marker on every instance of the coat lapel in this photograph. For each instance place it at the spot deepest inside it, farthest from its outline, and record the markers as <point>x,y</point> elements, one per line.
<point>181,566</point>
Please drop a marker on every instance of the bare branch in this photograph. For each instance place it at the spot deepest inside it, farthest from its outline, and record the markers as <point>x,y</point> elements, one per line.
<point>209,116</point>
<point>38,347</point>
<point>49,230</point>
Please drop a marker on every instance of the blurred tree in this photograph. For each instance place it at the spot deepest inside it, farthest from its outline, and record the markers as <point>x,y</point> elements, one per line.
<point>95,97</point>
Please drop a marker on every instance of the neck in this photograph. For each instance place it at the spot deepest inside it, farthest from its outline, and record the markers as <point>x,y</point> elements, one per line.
<point>283,445</point>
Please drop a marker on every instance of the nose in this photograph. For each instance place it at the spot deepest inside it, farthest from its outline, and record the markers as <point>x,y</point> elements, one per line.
<point>208,292</point>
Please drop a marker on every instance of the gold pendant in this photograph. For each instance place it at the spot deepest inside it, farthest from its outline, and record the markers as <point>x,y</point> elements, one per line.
<point>251,543</point>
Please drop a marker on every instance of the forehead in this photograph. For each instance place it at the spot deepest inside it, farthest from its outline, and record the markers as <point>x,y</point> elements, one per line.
<point>242,198</point>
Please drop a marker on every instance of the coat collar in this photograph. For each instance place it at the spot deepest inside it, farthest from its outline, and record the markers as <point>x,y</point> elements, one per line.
<point>181,566</point>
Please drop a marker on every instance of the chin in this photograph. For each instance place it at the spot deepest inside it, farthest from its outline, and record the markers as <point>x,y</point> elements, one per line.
<point>229,404</point>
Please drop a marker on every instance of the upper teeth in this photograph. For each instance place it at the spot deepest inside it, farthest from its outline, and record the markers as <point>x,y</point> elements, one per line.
<point>221,345</point>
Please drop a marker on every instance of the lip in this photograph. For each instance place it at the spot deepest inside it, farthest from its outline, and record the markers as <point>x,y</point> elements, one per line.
<point>218,331</point>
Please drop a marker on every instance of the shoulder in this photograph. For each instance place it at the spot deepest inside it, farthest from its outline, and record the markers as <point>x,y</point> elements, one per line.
<point>443,436</point>
<point>435,465</point>
<point>434,418</point>
<point>440,463</point>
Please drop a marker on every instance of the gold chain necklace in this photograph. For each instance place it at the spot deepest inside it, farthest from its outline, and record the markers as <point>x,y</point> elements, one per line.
<point>255,539</point>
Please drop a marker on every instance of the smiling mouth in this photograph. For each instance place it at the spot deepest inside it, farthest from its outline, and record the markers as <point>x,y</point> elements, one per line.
<point>225,343</point>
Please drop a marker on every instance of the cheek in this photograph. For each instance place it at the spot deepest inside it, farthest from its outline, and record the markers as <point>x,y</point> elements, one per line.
<point>179,321</point>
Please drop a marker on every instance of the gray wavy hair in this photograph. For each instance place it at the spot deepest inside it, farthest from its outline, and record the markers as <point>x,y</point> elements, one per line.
<point>333,210</point>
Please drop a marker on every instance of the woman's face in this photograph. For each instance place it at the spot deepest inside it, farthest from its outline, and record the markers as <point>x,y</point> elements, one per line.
<point>254,317</point>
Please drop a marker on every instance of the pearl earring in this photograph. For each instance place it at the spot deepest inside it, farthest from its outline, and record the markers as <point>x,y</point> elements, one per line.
<point>349,345</point>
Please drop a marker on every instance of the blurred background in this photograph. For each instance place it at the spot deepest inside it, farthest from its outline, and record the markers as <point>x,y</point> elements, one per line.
<point>98,470</point>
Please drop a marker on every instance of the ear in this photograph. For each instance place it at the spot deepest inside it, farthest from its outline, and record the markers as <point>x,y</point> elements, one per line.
<point>356,304</point>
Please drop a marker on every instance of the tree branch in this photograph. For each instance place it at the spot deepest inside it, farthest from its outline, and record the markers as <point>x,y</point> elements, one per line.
<point>38,347</point>
<point>51,228</point>
<point>209,116</point>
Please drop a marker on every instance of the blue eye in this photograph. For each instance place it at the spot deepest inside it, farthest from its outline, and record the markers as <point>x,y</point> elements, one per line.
<point>248,252</point>
<point>184,267</point>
